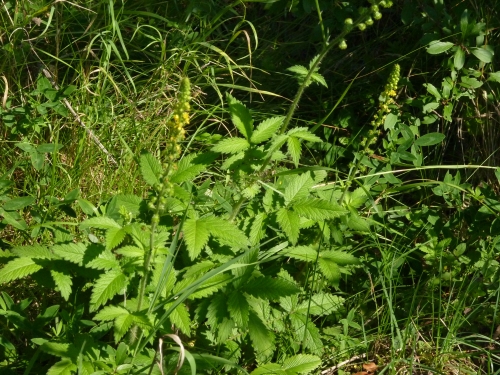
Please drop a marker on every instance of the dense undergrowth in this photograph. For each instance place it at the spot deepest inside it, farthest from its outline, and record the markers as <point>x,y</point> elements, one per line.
<point>265,187</point>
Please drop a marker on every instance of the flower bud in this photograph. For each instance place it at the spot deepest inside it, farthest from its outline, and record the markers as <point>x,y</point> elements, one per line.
<point>343,44</point>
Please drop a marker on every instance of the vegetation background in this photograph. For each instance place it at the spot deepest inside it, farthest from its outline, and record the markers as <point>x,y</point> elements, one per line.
<point>254,186</point>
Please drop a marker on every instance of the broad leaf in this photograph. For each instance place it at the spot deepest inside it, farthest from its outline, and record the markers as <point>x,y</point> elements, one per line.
<point>110,313</point>
<point>289,221</point>
<point>430,139</point>
<point>436,48</point>
<point>195,235</point>
<point>63,283</point>
<point>18,203</point>
<point>114,237</point>
<point>321,304</point>
<point>262,338</point>
<point>17,269</point>
<point>231,145</point>
<point>294,149</point>
<point>106,287</point>
<point>266,287</point>
<point>33,251</point>
<point>186,170</point>
<point>63,367</point>
<point>482,54</point>
<point>301,364</point>
<point>298,188</point>
<point>304,253</point>
<point>72,252</point>
<point>227,233</point>
<point>266,129</point>
<point>100,223</point>
<point>180,318</point>
<point>238,308</point>
<point>240,116</point>
<point>151,169</point>
<point>318,209</point>
<point>304,133</point>
<point>330,269</point>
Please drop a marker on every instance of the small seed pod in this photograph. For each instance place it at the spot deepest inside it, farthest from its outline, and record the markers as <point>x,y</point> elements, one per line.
<point>362,26</point>
<point>155,219</point>
<point>377,15</point>
<point>374,8</point>
<point>343,44</point>
<point>369,21</point>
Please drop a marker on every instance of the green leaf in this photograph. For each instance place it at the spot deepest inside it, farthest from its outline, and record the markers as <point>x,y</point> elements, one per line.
<point>269,369</point>
<point>266,287</point>
<point>299,70</point>
<point>330,269</point>
<point>130,251</point>
<point>180,318</point>
<point>301,364</point>
<point>114,237</point>
<point>289,221</point>
<point>321,304</point>
<point>470,82</point>
<point>46,148</point>
<point>495,77</point>
<point>186,170</point>
<point>298,188</point>
<point>72,252</point>
<point>318,209</point>
<point>390,121</point>
<point>63,367</point>
<point>433,90</point>
<point>358,223</point>
<point>258,228</point>
<point>304,133</point>
<point>435,48</point>
<point>339,257</point>
<point>105,261</point>
<point>262,338</point>
<point>226,233</point>
<point>122,325</point>
<point>482,54</point>
<point>266,129</point>
<point>318,78</point>
<point>100,223</point>
<point>459,58</point>
<point>304,253</point>
<point>294,149</point>
<point>196,236</point>
<point>17,269</point>
<point>18,203</point>
<point>151,169</point>
<point>240,116</point>
<point>33,251</point>
<point>63,283</point>
<point>231,145</point>
<point>13,218</point>
<point>106,287</point>
<point>430,139</point>
<point>87,207</point>
<point>110,313</point>
<point>211,286</point>
<point>308,333</point>
<point>238,308</point>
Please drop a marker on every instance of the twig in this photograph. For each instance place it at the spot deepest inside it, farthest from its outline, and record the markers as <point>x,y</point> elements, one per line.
<point>79,119</point>
<point>342,364</point>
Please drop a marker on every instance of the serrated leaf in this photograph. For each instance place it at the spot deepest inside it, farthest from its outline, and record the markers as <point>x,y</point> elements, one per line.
<point>318,209</point>
<point>321,304</point>
<point>304,253</point>
<point>105,261</point>
<point>114,237</point>
<point>122,325</point>
<point>301,364</point>
<point>196,236</point>
<point>289,222</point>
<point>330,269</point>
<point>186,170</point>
<point>231,160</point>
<point>238,308</point>
<point>211,286</point>
<point>180,318</point>
<point>300,70</point>
<point>269,369</point>
<point>100,223</point>
<point>63,367</point>
<point>63,283</point>
<point>482,54</point>
<point>339,257</point>
<point>258,228</point>
<point>130,251</point>
<point>266,129</point>
<point>151,169</point>
<point>262,338</point>
<point>226,232</point>
<point>430,139</point>
<point>358,223</point>
<point>304,133</point>
<point>306,333</point>
<point>294,149</point>
<point>32,251</point>
<point>110,313</point>
<point>318,78</point>
<point>436,48</point>
<point>231,145</point>
<point>72,252</point>
<point>269,288</point>
<point>240,116</point>
<point>298,188</point>
<point>17,269</point>
<point>106,287</point>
